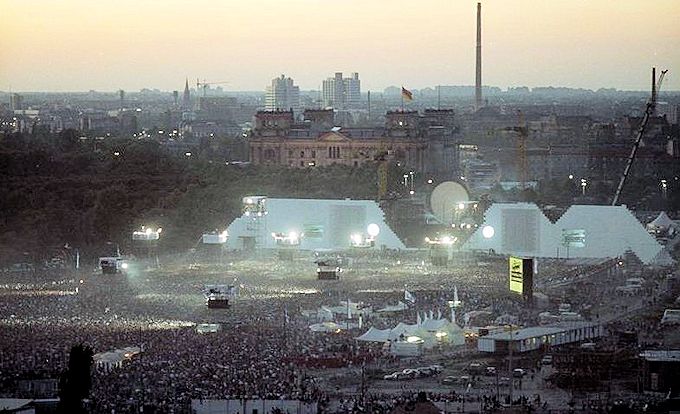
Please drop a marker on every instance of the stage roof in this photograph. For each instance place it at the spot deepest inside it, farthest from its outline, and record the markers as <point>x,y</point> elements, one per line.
<point>522,229</point>
<point>326,224</point>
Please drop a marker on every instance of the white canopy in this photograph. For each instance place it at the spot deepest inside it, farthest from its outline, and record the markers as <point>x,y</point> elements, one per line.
<point>399,307</point>
<point>375,335</point>
<point>430,330</point>
<point>662,221</point>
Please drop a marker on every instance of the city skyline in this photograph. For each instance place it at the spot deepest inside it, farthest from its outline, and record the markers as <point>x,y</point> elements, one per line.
<point>137,45</point>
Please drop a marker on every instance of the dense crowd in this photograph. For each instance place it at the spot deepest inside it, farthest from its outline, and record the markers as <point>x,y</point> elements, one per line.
<point>264,349</point>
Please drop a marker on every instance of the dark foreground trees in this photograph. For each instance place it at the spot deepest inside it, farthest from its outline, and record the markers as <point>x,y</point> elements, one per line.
<point>76,382</point>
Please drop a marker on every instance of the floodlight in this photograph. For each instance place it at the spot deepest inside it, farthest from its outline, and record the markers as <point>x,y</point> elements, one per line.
<point>488,232</point>
<point>293,237</point>
<point>461,206</point>
<point>124,266</point>
<point>373,230</point>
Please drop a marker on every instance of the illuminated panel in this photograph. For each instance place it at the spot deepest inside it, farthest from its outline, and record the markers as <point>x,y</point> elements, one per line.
<point>574,237</point>
<point>516,275</point>
<point>521,276</point>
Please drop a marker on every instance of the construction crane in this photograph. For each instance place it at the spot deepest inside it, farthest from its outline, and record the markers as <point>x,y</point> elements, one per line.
<point>205,84</point>
<point>649,110</point>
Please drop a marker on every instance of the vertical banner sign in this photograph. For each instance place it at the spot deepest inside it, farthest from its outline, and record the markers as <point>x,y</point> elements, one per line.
<point>516,275</point>
<point>522,276</point>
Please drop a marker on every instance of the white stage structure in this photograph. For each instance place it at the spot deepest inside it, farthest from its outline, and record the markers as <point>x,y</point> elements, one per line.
<point>323,224</point>
<point>583,231</point>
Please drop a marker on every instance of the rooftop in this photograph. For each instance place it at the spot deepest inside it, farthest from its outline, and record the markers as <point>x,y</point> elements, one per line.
<point>661,355</point>
<point>538,331</point>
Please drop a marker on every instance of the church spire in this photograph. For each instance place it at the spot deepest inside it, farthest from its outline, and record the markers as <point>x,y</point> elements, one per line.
<point>186,99</point>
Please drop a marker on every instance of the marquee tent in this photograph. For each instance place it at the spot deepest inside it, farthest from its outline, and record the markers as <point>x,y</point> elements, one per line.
<point>430,331</point>
<point>399,307</point>
<point>326,327</point>
<point>662,222</point>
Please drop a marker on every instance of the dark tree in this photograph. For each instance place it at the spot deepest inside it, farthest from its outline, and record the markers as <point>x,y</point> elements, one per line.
<point>68,139</point>
<point>76,382</point>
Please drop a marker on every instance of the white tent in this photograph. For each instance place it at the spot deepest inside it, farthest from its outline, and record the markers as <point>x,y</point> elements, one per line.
<point>410,347</point>
<point>114,359</point>
<point>399,307</point>
<point>375,335</point>
<point>402,329</point>
<point>431,331</point>
<point>661,222</point>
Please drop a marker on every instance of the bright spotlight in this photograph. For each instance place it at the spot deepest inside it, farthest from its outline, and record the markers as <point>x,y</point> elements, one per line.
<point>124,266</point>
<point>461,206</point>
<point>293,237</point>
<point>488,232</point>
<point>356,238</point>
<point>373,230</point>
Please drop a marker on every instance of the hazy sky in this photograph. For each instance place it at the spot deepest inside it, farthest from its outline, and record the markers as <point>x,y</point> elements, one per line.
<point>69,45</point>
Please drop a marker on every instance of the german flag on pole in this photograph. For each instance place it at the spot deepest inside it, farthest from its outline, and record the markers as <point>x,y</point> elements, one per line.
<point>406,94</point>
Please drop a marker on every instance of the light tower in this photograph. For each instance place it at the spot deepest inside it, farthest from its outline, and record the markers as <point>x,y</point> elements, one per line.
<point>454,304</point>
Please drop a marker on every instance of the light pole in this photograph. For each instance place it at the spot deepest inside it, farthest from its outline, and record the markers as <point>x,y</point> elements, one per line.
<point>664,188</point>
<point>584,183</point>
<point>405,180</point>
<point>510,345</point>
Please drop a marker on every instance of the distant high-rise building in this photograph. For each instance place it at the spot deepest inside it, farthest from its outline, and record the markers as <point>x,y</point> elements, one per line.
<point>186,99</point>
<point>342,93</point>
<point>282,95</point>
<point>175,97</point>
<point>16,102</point>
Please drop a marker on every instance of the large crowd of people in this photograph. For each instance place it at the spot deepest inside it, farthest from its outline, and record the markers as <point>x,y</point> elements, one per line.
<point>264,348</point>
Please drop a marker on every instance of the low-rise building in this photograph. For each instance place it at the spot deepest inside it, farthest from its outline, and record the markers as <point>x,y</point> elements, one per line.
<point>538,337</point>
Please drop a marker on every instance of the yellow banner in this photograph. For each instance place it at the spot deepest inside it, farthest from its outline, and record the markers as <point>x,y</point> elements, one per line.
<point>516,275</point>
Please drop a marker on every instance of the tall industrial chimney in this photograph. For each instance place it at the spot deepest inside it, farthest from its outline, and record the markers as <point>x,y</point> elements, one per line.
<point>478,67</point>
<point>653,91</point>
